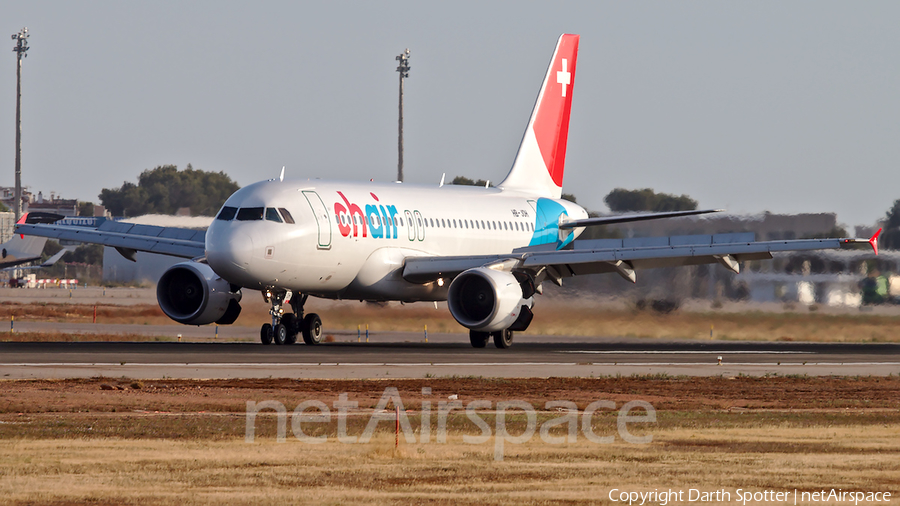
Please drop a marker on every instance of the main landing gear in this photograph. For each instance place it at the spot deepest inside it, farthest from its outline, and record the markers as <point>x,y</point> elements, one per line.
<point>502,338</point>
<point>286,326</point>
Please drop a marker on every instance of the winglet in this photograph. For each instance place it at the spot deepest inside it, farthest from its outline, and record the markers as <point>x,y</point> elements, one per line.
<point>874,241</point>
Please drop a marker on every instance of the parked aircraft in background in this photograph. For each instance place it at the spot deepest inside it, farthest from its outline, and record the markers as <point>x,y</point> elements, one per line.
<point>486,251</point>
<point>19,250</point>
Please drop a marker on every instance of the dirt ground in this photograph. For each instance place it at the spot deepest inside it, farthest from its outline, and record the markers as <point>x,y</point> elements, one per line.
<point>111,398</point>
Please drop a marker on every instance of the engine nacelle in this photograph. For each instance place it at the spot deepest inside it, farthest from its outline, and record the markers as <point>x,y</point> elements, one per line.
<point>193,294</point>
<point>486,300</point>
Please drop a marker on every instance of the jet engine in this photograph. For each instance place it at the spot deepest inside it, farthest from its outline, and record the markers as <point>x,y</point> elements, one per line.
<point>488,300</point>
<point>193,294</point>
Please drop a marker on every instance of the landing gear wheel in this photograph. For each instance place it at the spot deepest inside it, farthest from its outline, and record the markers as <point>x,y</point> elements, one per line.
<point>265,333</point>
<point>280,334</point>
<point>478,339</point>
<point>289,320</point>
<point>503,338</point>
<point>312,329</point>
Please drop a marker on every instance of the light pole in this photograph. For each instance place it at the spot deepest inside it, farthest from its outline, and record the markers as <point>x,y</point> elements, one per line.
<point>403,69</point>
<point>21,39</point>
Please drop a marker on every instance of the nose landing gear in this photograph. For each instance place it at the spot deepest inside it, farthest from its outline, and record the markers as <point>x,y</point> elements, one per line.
<point>285,326</point>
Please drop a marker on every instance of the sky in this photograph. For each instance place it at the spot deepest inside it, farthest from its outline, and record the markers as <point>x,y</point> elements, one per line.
<point>786,107</point>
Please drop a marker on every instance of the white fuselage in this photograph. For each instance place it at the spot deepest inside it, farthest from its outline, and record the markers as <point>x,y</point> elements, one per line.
<point>349,240</point>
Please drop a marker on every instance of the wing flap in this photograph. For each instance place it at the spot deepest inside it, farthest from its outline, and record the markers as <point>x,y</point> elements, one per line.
<point>580,261</point>
<point>427,269</point>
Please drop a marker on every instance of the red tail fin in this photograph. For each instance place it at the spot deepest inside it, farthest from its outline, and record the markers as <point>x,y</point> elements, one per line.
<point>540,162</point>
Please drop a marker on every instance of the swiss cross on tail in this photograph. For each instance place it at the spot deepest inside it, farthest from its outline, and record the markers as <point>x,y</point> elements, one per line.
<point>540,162</point>
<point>564,77</point>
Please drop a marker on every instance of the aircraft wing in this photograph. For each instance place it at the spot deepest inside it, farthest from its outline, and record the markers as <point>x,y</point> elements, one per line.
<point>127,238</point>
<point>622,256</point>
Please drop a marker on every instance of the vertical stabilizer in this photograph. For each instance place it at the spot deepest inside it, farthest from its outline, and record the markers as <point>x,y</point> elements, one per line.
<point>540,162</point>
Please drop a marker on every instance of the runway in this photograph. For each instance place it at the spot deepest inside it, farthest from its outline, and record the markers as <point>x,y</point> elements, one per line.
<point>398,356</point>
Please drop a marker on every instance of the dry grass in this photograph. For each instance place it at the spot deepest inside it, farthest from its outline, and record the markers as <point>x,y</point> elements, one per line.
<point>181,442</point>
<point>62,337</point>
<point>114,471</point>
<point>550,319</point>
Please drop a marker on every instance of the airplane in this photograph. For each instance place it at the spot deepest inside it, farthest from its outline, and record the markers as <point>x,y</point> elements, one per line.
<point>486,251</point>
<point>19,250</point>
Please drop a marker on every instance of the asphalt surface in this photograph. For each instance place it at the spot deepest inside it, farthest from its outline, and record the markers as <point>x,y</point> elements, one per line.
<point>408,356</point>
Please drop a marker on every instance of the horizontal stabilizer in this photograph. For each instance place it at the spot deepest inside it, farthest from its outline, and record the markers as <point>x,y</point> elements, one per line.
<point>55,258</point>
<point>626,218</point>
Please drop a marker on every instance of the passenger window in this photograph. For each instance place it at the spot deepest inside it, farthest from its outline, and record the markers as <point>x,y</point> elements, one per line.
<point>287,215</point>
<point>250,214</point>
<point>272,215</point>
<point>227,213</point>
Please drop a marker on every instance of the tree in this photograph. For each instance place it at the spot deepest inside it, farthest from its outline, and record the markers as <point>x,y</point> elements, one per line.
<point>462,180</point>
<point>622,200</point>
<point>890,238</point>
<point>837,231</point>
<point>91,254</point>
<point>570,197</point>
<point>86,209</point>
<point>165,190</point>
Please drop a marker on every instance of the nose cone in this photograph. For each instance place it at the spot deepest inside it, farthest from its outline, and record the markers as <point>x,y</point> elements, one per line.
<point>228,249</point>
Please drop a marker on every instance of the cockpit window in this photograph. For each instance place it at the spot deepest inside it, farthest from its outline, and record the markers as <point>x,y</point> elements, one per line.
<point>227,213</point>
<point>250,214</point>
<point>272,215</point>
<point>287,215</point>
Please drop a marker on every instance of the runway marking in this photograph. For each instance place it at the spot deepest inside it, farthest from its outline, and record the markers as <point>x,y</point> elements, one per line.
<point>684,352</point>
<point>429,364</point>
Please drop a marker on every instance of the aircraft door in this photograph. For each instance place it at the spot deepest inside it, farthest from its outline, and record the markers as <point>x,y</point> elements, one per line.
<point>322,221</point>
<point>410,226</point>
<point>420,226</point>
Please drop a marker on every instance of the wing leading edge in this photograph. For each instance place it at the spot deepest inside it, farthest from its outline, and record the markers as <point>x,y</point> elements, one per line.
<point>128,238</point>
